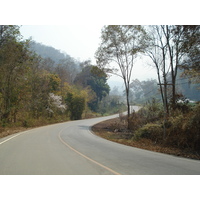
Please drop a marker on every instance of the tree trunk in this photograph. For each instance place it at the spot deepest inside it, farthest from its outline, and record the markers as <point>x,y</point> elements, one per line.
<point>128,105</point>
<point>173,92</point>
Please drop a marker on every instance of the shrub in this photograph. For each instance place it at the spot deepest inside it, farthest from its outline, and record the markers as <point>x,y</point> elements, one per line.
<point>150,113</point>
<point>184,130</point>
<point>150,131</point>
<point>137,120</point>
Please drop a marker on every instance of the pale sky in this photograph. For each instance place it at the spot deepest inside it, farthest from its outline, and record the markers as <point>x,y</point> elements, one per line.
<point>75,26</point>
<point>80,42</point>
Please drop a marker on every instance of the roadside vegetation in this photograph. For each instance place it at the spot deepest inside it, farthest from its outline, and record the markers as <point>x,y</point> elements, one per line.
<point>169,120</point>
<point>39,85</point>
<point>182,137</point>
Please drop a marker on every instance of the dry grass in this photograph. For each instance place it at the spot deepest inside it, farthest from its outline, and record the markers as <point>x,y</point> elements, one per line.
<point>114,130</point>
<point>9,131</point>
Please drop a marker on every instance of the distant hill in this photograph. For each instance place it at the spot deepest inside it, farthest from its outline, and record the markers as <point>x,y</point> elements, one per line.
<point>47,51</point>
<point>116,84</point>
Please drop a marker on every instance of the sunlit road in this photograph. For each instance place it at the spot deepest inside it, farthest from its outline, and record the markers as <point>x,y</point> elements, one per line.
<point>70,148</point>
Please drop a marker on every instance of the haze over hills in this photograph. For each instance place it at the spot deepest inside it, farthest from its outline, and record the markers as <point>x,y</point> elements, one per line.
<point>56,55</point>
<point>47,51</point>
<point>185,87</point>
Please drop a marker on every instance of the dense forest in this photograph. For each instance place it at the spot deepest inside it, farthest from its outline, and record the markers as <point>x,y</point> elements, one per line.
<point>39,84</point>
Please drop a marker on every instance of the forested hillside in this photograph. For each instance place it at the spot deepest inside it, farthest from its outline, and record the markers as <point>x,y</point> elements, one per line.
<point>39,84</point>
<point>47,51</point>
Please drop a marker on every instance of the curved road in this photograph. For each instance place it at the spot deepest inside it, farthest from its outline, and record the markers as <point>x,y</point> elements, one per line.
<point>71,148</point>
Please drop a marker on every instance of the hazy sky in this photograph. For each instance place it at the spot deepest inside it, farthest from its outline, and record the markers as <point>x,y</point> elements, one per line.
<point>80,42</point>
<point>83,21</point>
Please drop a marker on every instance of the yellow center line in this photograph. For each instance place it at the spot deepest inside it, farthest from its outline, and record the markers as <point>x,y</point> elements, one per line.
<point>97,163</point>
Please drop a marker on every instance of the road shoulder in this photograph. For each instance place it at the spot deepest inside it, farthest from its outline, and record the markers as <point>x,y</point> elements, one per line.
<point>107,131</point>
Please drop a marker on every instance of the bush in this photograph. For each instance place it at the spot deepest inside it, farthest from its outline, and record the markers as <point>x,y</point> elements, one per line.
<point>150,113</point>
<point>137,120</point>
<point>183,130</point>
<point>150,131</point>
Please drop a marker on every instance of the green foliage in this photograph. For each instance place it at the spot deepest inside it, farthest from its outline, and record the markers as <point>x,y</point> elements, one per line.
<point>120,45</point>
<point>32,88</point>
<point>96,79</point>
<point>149,131</point>
<point>14,56</point>
<point>76,105</point>
<point>110,105</point>
<point>183,129</point>
<point>191,64</point>
<point>54,82</point>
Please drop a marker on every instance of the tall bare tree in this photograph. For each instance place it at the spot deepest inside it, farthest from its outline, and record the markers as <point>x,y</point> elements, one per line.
<point>181,40</point>
<point>157,51</point>
<point>120,45</point>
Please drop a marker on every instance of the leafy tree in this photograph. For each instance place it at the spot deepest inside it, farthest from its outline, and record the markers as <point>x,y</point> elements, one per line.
<point>76,105</point>
<point>191,47</point>
<point>14,56</point>
<point>96,79</point>
<point>120,46</point>
<point>9,33</point>
<point>54,82</point>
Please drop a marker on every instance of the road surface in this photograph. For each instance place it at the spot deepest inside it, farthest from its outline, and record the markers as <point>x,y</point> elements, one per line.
<point>70,148</point>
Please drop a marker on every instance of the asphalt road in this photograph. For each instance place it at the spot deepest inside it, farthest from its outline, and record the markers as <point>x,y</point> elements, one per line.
<point>72,149</point>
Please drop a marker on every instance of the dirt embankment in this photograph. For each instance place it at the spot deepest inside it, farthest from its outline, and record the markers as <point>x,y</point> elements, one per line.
<point>110,130</point>
<point>9,131</point>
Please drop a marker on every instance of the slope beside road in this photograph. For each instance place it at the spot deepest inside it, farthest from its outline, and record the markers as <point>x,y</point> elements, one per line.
<point>71,148</point>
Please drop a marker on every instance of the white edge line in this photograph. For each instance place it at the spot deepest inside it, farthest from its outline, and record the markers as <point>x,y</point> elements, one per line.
<point>11,138</point>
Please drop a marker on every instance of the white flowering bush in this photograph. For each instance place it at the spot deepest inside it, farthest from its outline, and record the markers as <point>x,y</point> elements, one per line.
<point>55,103</point>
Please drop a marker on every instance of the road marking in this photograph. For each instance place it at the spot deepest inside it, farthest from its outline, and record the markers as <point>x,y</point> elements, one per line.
<point>10,138</point>
<point>97,163</point>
